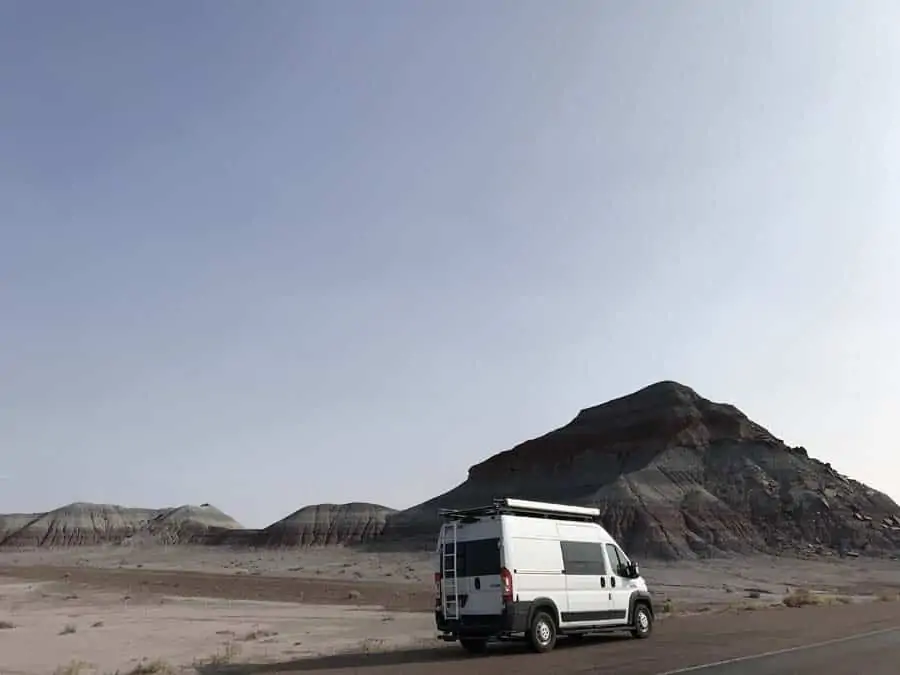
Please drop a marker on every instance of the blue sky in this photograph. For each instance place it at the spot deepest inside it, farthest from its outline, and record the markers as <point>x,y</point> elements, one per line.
<point>267,254</point>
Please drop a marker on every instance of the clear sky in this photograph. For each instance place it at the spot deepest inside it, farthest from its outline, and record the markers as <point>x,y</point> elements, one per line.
<point>267,254</point>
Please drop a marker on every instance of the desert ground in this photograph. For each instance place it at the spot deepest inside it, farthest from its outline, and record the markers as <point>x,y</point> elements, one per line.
<point>182,609</point>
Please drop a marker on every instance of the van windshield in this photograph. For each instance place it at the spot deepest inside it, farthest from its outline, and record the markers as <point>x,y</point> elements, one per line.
<point>476,558</point>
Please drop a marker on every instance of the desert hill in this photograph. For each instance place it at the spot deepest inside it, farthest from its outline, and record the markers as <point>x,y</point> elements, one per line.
<point>676,476</point>
<point>327,524</point>
<point>85,524</point>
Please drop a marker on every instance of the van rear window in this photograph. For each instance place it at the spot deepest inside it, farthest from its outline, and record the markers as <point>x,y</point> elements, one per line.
<point>476,558</point>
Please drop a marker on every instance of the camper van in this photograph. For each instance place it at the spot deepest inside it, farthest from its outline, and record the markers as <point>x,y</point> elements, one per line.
<point>521,569</point>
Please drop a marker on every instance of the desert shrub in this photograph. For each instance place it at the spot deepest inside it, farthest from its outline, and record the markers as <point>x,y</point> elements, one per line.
<point>801,597</point>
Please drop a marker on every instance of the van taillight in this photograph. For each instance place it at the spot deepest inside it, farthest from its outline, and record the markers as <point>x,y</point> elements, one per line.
<point>437,584</point>
<point>506,579</point>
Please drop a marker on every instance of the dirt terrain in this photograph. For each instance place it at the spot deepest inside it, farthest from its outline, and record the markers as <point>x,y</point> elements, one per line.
<point>106,609</point>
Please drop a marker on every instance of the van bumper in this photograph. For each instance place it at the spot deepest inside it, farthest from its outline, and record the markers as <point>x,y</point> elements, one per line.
<point>513,619</point>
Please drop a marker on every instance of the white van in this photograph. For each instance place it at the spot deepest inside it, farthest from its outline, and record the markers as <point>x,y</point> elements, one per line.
<point>521,568</point>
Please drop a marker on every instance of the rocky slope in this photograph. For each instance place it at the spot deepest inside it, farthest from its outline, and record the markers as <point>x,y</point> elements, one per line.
<point>87,524</point>
<point>678,476</point>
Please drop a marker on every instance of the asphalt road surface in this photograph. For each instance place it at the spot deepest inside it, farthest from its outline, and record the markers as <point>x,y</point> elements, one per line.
<point>840,640</point>
<point>875,653</point>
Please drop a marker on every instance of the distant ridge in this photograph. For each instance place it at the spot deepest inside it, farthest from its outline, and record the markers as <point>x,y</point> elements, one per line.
<point>84,523</point>
<point>675,475</point>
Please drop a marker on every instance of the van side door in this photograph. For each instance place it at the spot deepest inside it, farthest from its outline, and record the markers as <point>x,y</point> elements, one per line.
<point>587,585</point>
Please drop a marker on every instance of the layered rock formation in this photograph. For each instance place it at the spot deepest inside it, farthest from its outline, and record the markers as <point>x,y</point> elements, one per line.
<point>327,524</point>
<point>88,524</point>
<point>13,522</point>
<point>676,476</point>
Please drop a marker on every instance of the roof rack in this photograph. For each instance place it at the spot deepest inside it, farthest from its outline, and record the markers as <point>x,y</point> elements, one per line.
<point>524,507</point>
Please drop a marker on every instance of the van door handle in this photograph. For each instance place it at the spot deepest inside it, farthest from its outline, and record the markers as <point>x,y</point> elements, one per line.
<point>602,582</point>
<point>612,582</point>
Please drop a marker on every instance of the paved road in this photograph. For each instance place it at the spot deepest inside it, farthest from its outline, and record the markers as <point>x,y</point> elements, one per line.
<point>816,641</point>
<point>875,653</point>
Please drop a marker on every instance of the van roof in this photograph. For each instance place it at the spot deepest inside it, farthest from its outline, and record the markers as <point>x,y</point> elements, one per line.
<point>524,507</point>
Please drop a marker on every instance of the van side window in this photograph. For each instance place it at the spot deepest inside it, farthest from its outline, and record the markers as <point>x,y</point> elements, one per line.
<point>583,558</point>
<point>617,559</point>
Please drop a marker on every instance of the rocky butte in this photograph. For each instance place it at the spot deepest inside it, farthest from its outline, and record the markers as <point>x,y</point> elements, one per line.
<point>678,476</point>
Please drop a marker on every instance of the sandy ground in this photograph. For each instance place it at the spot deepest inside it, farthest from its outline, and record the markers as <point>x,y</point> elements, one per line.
<point>97,631</point>
<point>113,608</point>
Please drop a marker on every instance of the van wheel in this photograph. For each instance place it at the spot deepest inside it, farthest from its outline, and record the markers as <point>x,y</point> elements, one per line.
<point>643,622</point>
<point>542,634</point>
<point>474,645</point>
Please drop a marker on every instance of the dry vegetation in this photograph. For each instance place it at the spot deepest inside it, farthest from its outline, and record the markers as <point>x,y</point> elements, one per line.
<point>226,656</point>
<point>146,667</point>
<point>803,597</point>
<point>258,634</point>
<point>74,667</point>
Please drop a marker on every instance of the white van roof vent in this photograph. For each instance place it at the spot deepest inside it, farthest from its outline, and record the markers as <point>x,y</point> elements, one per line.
<point>524,507</point>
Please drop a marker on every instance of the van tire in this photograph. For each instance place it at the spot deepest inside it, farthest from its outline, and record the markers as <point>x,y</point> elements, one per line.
<point>642,624</point>
<point>542,632</point>
<point>474,645</point>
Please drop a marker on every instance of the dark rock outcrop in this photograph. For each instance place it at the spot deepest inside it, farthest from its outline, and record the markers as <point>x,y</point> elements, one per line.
<point>676,475</point>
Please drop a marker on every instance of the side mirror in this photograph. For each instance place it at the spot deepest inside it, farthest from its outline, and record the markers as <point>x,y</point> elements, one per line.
<point>632,570</point>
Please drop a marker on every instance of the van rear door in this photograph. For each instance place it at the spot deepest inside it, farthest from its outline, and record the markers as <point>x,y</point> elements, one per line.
<point>478,574</point>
